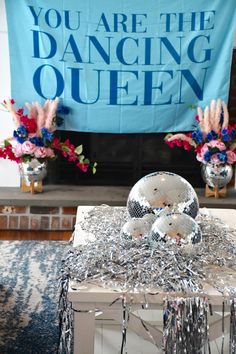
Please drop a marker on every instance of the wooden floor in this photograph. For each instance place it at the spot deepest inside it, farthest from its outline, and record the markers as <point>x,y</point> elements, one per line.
<point>35,235</point>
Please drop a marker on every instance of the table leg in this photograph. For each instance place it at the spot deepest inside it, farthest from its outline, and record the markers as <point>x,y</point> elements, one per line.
<point>84,332</point>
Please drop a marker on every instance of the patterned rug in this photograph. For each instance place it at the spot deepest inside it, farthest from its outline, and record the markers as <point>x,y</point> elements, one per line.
<point>29,273</point>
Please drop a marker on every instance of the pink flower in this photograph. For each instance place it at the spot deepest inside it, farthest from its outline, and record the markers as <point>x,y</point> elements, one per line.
<point>204,149</point>
<point>40,152</point>
<point>18,150</point>
<point>215,160</point>
<point>50,152</point>
<point>231,156</point>
<point>28,148</point>
<point>201,153</point>
<point>218,144</point>
<point>200,157</point>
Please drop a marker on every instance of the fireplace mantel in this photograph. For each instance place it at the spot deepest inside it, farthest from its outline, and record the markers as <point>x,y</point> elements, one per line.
<point>73,196</point>
<point>55,208</point>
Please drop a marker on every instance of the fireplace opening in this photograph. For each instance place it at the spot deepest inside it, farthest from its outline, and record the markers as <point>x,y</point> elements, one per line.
<point>123,159</point>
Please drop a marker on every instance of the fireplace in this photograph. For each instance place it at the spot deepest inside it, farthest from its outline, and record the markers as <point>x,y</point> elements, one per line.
<point>123,159</point>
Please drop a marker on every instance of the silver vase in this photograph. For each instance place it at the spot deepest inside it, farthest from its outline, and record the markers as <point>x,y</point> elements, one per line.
<point>216,175</point>
<point>31,174</point>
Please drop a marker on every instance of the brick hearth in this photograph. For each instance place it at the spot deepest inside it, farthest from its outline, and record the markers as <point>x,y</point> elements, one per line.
<point>13,217</point>
<point>55,208</point>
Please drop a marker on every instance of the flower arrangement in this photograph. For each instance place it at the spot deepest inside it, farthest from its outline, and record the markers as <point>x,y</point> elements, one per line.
<point>34,136</point>
<point>213,139</point>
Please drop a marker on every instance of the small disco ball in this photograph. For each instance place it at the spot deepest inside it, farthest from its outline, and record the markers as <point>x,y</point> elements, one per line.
<point>137,228</point>
<point>159,190</point>
<point>178,228</point>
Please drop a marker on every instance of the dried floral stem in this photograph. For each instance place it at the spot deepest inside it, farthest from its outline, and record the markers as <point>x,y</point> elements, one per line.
<point>51,113</point>
<point>226,115</point>
<point>217,114</point>
<point>210,119</point>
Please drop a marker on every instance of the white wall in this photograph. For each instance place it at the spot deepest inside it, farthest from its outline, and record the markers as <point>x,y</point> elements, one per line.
<point>9,175</point>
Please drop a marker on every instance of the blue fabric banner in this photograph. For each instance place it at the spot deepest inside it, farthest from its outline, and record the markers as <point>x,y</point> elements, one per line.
<point>122,66</point>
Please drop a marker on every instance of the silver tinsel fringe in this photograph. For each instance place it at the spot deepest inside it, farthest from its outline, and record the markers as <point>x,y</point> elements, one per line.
<point>185,327</point>
<point>128,265</point>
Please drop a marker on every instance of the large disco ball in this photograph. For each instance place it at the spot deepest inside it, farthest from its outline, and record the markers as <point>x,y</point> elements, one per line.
<point>137,228</point>
<point>159,190</point>
<point>178,228</point>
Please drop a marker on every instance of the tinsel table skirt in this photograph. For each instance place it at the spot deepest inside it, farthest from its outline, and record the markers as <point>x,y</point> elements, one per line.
<point>104,275</point>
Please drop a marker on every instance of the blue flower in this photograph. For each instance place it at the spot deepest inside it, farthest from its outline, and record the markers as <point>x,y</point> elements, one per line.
<point>197,136</point>
<point>20,134</point>
<point>21,130</point>
<point>224,131</point>
<point>222,156</point>
<point>18,138</point>
<point>63,109</point>
<point>207,156</point>
<point>46,135</point>
<point>226,137</point>
<point>226,134</point>
<point>36,140</point>
<point>212,135</point>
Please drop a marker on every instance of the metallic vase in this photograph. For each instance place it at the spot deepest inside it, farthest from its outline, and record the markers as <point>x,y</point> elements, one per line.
<point>216,175</point>
<point>31,174</point>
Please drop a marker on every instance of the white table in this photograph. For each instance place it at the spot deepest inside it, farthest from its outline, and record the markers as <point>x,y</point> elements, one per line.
<point>86,301</point>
